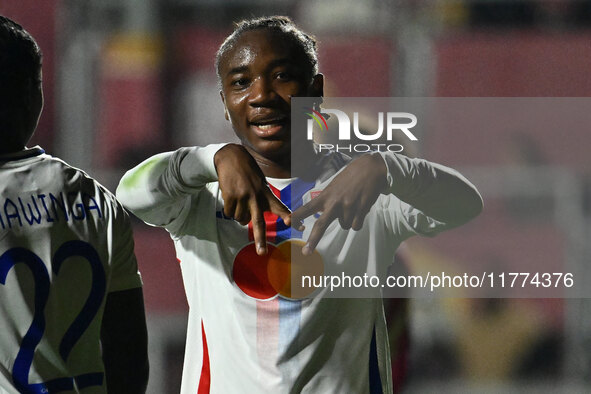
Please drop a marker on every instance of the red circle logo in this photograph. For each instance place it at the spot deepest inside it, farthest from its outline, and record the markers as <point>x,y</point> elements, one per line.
<point>280,272</point>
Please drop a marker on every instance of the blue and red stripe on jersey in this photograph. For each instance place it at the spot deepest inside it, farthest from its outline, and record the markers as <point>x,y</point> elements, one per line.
<point>278,319</point>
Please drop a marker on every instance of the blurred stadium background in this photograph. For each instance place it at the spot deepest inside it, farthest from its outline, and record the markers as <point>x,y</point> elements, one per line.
<point>124,79</point>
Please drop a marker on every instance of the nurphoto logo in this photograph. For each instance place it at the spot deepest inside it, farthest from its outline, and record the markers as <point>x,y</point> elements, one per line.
<point>389,123</point>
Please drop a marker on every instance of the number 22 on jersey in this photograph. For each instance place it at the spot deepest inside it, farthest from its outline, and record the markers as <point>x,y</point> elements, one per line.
<point>34,334</point>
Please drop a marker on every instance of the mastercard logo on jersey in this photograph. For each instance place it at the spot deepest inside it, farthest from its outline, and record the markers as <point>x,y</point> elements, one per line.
<point>278,273</point>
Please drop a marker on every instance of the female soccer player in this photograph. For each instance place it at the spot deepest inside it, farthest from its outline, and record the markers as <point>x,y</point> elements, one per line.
<point>71,305</point>
<point>227,208</point>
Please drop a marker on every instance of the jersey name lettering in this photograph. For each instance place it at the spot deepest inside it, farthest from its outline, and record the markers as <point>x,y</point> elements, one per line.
<point>29,210</point>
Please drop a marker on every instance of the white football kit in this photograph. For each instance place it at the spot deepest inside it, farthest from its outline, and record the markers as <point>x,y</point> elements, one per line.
<point>245,333</point>
<point>65,242</point>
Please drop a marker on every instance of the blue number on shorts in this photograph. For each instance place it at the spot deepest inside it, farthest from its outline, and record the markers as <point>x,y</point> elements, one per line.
<point>24,358</point>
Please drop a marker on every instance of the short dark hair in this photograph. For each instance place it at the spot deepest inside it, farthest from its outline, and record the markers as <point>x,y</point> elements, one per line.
<point>20,58</point>
<point>20,85</point>
<point>282,24</point>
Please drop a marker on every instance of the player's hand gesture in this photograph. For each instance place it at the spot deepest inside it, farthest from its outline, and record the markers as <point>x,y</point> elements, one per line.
<point>246,193</point>
<point>348,198</point>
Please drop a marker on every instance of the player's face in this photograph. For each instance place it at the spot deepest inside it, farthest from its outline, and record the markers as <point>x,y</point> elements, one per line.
<point>259,76</point>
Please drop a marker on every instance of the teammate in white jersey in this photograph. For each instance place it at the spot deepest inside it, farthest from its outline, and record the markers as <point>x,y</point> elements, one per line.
<point>227,208</point>
<point>71,306</point>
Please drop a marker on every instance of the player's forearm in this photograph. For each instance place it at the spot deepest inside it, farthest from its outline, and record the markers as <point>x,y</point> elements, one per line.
<point>155,189</point>
<point>130,377</point>
<point>438,191</point>
<point>138,190</point>
<point>124,341</point>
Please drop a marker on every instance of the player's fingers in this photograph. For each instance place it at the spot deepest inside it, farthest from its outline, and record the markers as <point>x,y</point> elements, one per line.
<point>229,208</point>
<point>306,210</point>
<point>357,223</point>
<point>361,212</point>
<point>317,232</point>
<point>242,213</point>
<point>346,215</point>
<point>279,208</point>
<point>259,228</point>
<point>297,225</point>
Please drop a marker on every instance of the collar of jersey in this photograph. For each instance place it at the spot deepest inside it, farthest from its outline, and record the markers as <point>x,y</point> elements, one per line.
<point>280,183</point>
<point>23,154</point>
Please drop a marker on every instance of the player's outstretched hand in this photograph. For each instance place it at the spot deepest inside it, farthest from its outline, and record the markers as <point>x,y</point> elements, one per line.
<point>348,198</point>
<point>246,193</point>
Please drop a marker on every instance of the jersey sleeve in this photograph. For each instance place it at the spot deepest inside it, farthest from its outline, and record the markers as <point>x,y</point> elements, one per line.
<point>427,198</point>
<point>159,190</point>
<point>124,268</point>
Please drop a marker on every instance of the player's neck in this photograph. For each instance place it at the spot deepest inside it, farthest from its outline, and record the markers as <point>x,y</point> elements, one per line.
<point>275,169</point>
<point>284,167</point>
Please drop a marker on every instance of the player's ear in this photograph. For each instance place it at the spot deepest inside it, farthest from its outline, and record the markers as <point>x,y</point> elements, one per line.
<point>226,115</point>
<point>317,86</point>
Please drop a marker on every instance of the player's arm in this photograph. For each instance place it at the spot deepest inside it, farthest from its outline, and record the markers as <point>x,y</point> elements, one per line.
<point>246,193</point>
<point>156,189</point>
<point>124,342</point>
<point>438,192</point>
<point>124,337</point>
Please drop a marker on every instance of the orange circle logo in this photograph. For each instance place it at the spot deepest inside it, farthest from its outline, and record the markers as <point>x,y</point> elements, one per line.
<point>280,272</point>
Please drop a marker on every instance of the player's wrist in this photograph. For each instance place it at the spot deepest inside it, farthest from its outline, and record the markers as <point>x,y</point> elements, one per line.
<point>226,154</point>
<point>380,169</point>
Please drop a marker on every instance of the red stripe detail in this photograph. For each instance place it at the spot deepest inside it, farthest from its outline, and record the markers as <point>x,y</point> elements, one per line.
<point>205,379</point>
<point>270,221</point>
<point>321,117</point>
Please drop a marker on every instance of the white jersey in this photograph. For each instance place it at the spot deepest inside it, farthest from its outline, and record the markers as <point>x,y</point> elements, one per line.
<point>246,336</point>
<point>65,242</point>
